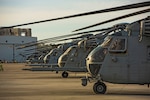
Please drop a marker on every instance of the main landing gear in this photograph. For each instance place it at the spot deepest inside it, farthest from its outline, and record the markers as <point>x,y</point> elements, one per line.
<point>64,74</point>
<point>99,88</point>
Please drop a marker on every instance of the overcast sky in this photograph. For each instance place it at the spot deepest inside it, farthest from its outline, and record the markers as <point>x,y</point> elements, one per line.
<point>13,12</point>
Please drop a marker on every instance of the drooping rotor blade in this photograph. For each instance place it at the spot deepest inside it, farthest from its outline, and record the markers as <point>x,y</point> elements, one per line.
<point>131,6</point>
<point>87,35</point>
<point>34,43</point>
<point>30,45</point>
<point>73,38</point>
<point>114,19</point>
<point>53,39</point>
<point>70,35</point>
<point>38,49</point>
<point>48,40</point>
<point>60,38</point>
<point>98,30</point>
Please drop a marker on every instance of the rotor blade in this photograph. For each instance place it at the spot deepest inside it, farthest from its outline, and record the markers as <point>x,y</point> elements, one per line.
<point>131,6</point>
<point>114,19</point>
<point>54,39</point>
<point>98,30</point>
<point>70,38</point>
<point>82,36</point>
<point>59,38</point>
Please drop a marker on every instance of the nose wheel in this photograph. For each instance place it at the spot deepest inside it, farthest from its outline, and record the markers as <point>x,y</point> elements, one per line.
<point>99,88</point>
<point>64,74</point>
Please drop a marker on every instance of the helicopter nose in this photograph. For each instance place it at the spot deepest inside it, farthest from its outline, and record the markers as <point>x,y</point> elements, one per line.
<point>62,60</point>
<point>61,64</point>
<point>46,61</point>
<point>94,69</point>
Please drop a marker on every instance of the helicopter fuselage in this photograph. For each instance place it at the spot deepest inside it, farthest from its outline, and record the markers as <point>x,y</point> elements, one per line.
<point>130,66</point>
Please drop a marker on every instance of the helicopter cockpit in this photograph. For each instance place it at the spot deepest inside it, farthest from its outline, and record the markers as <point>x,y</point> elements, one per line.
<point>63,58</point>
<point>51,57</point>
<point>48,56</point>
<point>111,44</point>
<point>97,55</point>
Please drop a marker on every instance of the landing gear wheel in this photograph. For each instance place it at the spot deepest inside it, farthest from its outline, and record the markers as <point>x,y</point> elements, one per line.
<point>64,74</point>
<point>99,88</point>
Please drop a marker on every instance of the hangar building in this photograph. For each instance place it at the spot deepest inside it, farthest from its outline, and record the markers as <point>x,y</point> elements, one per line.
<point>10,39</point>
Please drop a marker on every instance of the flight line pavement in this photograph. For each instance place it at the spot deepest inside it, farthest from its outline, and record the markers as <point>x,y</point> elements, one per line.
<point>18,84</point>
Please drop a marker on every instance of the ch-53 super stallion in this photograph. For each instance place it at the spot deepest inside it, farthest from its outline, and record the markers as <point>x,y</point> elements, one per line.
<point>115,60</point>
<point>123,58</point>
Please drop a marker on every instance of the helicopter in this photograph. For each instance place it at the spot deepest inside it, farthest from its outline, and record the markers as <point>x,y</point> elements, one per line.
<point>123,58</point>
<point>73,58</point>
<point>70,58</point>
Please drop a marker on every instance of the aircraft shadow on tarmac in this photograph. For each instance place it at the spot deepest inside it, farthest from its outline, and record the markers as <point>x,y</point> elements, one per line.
<point>88,93</point>
<point>132,93</point>
<point>53,77</point>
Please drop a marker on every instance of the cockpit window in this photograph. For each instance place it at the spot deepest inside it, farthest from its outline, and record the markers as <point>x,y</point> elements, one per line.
<point>48,56</point>
<point>55,53</point>
<point>106,42</point>
<point>98,54</point>
<point>73,52</point>
<point>69,49</point>
<point>118,45</point>
<point>60,46</point>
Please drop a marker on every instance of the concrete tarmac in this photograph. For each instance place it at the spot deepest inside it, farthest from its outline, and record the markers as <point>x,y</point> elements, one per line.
<point>18,84</point>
